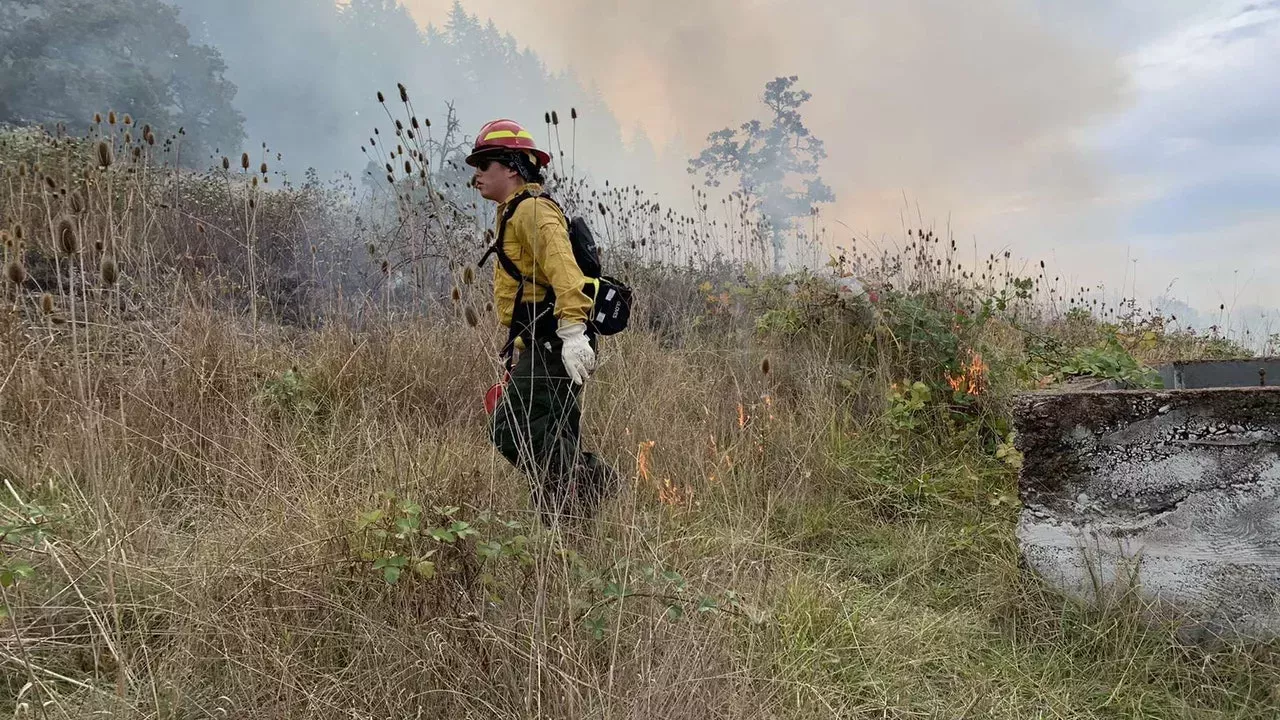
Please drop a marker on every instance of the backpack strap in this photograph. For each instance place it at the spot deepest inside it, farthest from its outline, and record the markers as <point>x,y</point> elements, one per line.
<point>509,266</point>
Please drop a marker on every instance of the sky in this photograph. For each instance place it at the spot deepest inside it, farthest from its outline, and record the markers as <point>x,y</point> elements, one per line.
<point>1129,143</point>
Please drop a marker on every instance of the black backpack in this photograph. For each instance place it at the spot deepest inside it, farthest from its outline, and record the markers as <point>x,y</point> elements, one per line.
<point>611,298</point>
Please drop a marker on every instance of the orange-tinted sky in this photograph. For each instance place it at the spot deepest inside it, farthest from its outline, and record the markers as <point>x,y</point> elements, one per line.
<point>985,115</point>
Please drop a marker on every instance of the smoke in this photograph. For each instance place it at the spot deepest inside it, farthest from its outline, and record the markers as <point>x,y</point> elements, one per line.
<point>965,107</point>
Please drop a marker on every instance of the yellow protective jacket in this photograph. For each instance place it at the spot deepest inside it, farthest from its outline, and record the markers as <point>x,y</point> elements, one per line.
<point>537,241</point>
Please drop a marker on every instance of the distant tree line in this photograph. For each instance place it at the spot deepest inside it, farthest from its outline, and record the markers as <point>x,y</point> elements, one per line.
<point>300,75</point>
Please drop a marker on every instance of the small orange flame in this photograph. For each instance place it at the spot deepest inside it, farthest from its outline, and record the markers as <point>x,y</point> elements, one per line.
<point>972,380</point>
<point>642,460</point>
<point>674,495</point>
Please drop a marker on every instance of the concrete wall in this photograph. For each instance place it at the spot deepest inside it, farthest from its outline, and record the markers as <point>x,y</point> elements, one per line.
<point>1221,374</point>
<point>1182,485</point>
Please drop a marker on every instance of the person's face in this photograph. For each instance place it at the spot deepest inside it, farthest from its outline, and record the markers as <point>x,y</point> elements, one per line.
<point>494,180</point>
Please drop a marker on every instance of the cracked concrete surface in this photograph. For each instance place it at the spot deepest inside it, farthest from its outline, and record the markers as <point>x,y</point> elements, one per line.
<point>1181,487</point>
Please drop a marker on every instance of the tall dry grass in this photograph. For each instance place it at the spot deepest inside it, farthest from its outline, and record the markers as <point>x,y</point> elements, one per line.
<point>205,483</point>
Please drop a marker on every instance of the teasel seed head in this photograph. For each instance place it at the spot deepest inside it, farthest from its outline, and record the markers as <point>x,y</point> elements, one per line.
<point>386,267</point>
<point>111,118</point>
<point>263,168</point>
<point>46,304</point>
<point>573,113</point>
<point>18,232</point>
<point>128,119</point>
<point>105,156</point>
<point>408,168</point>
<point>764,366</point>
<point>97,118</point>
<point>404,94</point>
<point>468,275</point>
<point>555,118</point>
<point>226,163</point>
<point>244,161</point>
<point>68,241</point>
<point>137,154</point>
<point>381,97</point>
<point>49,181</point>
<point>254,182</point>
<point>455,294</point>
<point>16,273</point>
<point>110,273</point>
<point>413,121</point>
<point>546,117</point>
<point>22,169</point>
<point>488,308</point>
<point>471,317</point>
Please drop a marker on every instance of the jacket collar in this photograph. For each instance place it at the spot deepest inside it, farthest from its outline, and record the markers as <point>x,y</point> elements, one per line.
<point>532,188</point>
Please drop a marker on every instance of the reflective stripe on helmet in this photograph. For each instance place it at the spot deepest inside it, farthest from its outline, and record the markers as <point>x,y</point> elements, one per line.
<point>499,134</point>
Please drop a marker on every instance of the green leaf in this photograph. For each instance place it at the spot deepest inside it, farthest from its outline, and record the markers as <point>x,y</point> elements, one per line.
<point>448,511</point>
<point>442,535</point>
<point>462,529</point>
<point>22,570</point>
<point>708,604</point>
<point>367,519</point>
<point>489,549</point>
<point>406,526</point>
<point>675,579</point>
<point>379,563</point>
<point>616,590</point>
<point>675,612</point>
<point>391,574</point>
<point>596,626</point>
<point>426,569</point>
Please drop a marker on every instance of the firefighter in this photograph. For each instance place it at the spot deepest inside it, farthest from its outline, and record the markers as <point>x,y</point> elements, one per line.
<point>540,297</point>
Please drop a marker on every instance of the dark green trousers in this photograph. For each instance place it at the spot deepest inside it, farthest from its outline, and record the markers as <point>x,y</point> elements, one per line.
<point>537,428</point>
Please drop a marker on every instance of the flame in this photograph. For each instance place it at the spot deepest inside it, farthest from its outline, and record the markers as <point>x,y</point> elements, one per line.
<point>972,379</point>
<point>674,495</point>
<point>642,460</point>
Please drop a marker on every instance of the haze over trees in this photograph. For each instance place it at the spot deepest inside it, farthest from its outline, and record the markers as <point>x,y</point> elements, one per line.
<point>61,61</point>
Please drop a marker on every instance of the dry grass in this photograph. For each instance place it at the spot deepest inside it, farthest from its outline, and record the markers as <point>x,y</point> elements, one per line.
<point>785,547</point>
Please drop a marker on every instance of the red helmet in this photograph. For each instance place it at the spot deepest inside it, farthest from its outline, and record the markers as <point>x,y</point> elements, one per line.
<point>507,135</point>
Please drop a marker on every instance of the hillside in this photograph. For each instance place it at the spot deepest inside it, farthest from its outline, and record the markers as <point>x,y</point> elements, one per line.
<point>245,471</point>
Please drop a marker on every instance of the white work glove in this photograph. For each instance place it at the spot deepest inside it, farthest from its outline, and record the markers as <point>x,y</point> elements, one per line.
<point>579,358</point>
